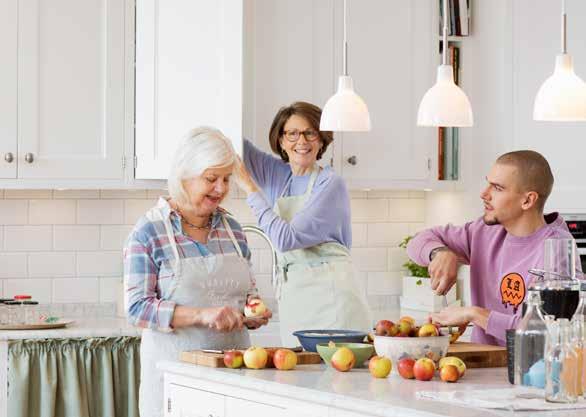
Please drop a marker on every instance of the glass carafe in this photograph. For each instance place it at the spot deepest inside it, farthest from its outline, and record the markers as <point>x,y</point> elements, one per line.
<point>561,363</point>
<point>530,338</point>
<point>557,282</point>
<point>579,345</point>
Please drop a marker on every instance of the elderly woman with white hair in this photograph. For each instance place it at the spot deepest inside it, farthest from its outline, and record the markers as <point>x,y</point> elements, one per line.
<point>186,265</point>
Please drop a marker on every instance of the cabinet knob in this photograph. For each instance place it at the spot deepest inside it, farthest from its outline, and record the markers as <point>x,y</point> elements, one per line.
<point>29,157</point>
<point>8,157</point>
<point>352,160</point>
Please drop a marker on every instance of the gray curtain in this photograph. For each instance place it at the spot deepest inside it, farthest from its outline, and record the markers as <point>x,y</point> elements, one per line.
<point>93,377</point>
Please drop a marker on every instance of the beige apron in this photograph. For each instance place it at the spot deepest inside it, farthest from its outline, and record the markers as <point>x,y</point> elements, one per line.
<point>208,281</point>
<point>317,288</point>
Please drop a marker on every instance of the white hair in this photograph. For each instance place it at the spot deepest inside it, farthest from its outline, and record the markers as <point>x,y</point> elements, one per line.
<point>202,148</point>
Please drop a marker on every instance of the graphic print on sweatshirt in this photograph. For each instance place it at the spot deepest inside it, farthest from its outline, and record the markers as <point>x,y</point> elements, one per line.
<point>512,290</point>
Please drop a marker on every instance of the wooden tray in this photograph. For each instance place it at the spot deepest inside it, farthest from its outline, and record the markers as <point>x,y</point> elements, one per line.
<point>479,356</point>
<point>37,326</point>
<point>216,360</point>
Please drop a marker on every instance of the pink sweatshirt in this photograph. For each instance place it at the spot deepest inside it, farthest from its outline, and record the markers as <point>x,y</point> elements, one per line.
<point>499,264</point>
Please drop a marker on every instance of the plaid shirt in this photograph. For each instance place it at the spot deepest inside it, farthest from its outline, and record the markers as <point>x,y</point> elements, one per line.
<point>149,259</point>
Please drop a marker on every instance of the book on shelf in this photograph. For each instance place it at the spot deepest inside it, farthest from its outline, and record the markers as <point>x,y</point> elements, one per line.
<point>440,153</point>
<point>458,17</point>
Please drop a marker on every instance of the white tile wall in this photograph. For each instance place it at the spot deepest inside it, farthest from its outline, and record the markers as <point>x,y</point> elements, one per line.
<point>66,245</point>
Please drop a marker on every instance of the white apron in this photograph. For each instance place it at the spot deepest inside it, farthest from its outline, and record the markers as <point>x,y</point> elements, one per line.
<point>317,288</point>
<point>209,281</point>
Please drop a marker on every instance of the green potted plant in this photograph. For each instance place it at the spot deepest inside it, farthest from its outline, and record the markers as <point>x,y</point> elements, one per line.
<point>417,292</point>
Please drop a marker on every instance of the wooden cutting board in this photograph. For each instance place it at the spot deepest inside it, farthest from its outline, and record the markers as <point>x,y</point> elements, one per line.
<point>479,356</point>
<point>216,360</point>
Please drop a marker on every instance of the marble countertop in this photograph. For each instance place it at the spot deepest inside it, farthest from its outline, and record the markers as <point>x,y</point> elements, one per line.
<point>357,391</point>
<point>109,327</point>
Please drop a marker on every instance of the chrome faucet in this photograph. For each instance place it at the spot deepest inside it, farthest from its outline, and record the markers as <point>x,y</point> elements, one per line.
<point>275,267</point>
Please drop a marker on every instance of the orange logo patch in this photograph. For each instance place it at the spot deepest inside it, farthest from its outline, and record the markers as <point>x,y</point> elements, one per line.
<point>512,290</point>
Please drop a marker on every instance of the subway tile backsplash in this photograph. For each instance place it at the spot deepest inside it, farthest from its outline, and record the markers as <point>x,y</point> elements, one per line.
<point>65,246</point>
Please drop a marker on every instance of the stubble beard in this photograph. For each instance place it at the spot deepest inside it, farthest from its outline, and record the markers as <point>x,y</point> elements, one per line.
<point>490,222</point>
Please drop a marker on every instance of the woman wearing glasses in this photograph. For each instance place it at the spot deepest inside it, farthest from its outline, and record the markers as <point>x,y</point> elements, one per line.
<point>305,211</point>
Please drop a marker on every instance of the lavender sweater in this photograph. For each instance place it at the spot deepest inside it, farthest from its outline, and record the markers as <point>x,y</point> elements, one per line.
<point>325,217</point>
<point>497,262</point>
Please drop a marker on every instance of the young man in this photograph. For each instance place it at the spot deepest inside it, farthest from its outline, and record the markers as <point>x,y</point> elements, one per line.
<point>500,247</point>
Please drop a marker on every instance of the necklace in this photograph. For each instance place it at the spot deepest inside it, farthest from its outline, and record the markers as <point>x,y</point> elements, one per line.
<point>207,226</point>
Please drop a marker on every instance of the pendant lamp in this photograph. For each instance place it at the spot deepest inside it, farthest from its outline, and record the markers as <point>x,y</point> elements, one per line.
<point>562,97</point>
<point>345,111</point>
<point>445,104</point>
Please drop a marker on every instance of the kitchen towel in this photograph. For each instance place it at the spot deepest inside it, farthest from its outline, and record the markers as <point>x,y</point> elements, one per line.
<point>515,399</point>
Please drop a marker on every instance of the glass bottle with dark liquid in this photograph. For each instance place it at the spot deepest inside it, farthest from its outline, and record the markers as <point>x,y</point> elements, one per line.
<point>557,285</point>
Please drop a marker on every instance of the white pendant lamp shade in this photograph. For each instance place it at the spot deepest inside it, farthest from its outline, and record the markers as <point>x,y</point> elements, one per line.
<point>562,97</point>
<point>345,110</point>
<point>445,104</point>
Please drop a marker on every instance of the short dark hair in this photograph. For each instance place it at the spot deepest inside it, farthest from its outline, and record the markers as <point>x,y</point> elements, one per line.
<point>309,112</point>
<point>534,173</point>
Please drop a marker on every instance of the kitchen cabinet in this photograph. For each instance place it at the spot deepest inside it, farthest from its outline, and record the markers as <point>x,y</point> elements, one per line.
<point>294,52</point>
<point>62,77</point>
<point>390,60</point>
<point>188,74</point>
<point>535,50</point>
<point>189,397</point>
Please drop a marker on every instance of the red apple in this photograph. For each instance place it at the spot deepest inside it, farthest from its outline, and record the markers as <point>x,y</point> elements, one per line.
<point>424,369</point>
<point>385,328</point>
<point>255,357</point>
<point>343,359</point>
<point>379,366</point>
<point>270,355</point>
<point>428,330</point>
<point>405,368</point>
<point>449,373</point>
<point>405,327</point>
<point>285,359</point>
<point>233,359</point>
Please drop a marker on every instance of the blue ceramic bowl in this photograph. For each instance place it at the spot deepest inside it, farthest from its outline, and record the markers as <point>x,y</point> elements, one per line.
<point>310,338</point>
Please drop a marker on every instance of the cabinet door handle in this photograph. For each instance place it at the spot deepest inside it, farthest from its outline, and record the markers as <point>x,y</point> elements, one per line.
<point>29,157</point>
<point>352,160</point>
<point>8,157</point>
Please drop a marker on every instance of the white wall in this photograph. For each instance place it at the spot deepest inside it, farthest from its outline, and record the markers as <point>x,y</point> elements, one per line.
<point>66,246</point>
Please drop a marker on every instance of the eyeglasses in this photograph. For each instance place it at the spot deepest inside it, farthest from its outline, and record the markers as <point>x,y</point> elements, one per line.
<point>294,135</point>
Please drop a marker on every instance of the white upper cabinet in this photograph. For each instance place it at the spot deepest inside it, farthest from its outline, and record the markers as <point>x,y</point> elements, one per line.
<point>288,57</point>
<point>562,144</point>
<point>188,74</point>
<point>70,89</point>
<point>8,88</point>
<point>390,61</point>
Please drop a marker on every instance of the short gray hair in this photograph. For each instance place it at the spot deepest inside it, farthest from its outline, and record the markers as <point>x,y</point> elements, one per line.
<point>202,148</point>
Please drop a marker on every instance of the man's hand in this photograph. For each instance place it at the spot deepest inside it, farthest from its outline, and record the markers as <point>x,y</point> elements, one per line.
<point>461,316</point>
<point>443,271</point>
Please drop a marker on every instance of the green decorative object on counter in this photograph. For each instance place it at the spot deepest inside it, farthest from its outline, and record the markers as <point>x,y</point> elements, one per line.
<point>82,377</point>
<point>414,269</point>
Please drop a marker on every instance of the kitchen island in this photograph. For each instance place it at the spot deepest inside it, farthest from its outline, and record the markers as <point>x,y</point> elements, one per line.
<point>88,367</point>
<point>317,390</point>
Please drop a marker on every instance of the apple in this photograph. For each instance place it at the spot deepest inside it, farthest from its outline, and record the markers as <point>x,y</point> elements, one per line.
<point>385,328</point>
<point>449,373</point>
<point>409,319</point>
<point>233,359</point>
<point>270,354</point>
<point>452,360</point>
<point>255,357</point>
<point>343,359</point>
<point>255,307</point>
<point>455,335</point>
<point>285,359</point>
<point>424,369</point>
<point>414,331</point>
<point>405,327</point>
<point>405,368</point>
<point>379,366</point>
<point>428,330</point>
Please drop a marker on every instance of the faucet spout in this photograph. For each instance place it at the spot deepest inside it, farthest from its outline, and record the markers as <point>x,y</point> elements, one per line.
<point>275,267</point>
